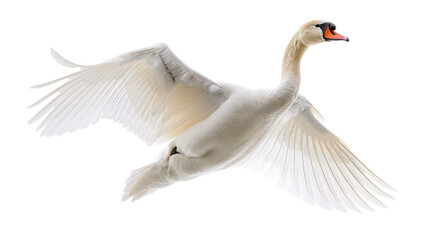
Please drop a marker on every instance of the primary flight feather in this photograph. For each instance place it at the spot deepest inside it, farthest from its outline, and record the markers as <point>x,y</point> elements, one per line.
<point>211,126</point>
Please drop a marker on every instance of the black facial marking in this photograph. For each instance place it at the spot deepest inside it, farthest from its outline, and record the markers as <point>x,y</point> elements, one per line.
<point>325,26</point>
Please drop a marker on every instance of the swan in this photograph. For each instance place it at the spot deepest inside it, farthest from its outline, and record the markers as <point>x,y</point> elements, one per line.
<point>212,126</point>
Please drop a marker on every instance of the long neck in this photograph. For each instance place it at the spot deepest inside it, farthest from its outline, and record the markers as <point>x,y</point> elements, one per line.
<point>292,61</point>
<point>286,93</point>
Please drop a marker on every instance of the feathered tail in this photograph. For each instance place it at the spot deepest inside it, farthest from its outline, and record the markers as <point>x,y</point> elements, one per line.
<point>146,180</point>
<point>133,182</point>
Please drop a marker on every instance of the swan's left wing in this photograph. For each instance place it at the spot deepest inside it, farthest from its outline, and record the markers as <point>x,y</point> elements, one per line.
<point>301,153</point>
<point>149,91</point>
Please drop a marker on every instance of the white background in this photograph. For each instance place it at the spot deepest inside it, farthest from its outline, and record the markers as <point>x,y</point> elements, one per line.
<point>372,91</point>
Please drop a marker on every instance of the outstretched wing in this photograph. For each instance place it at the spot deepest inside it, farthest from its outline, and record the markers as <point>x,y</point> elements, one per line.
<point>150,92</point>
<point>313,163</point>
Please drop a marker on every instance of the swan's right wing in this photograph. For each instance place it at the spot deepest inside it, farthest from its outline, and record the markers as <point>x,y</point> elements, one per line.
<point>150,92</point>
<point>314,163</point>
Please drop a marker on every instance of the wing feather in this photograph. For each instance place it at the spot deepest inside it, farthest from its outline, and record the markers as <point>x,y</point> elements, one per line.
<point>314,164</point>
<point>64,61</point>
<point>150,92</point>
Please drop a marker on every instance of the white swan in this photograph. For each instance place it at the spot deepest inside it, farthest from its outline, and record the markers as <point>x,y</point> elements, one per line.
<point>213,126</point>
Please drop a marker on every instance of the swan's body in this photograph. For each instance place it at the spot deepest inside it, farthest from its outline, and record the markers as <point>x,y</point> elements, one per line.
<point>213,126</point>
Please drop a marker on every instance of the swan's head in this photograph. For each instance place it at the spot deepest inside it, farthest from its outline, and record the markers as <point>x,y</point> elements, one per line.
<point>317,31</point>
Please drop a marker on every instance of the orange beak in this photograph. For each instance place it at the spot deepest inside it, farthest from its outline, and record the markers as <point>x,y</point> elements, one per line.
<point>332,35</point>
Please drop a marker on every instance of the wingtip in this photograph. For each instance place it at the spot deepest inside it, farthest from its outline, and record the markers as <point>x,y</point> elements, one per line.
<point>61,60</point>
<point>38,86</point>
<point>53,52</point>
<point>391,188</point>
<point>30,106</point>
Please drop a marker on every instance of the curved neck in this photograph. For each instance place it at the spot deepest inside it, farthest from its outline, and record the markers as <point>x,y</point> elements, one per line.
<point>291,62</point>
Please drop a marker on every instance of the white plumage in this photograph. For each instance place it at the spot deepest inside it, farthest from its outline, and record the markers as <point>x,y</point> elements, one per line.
<point>213,126</point>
